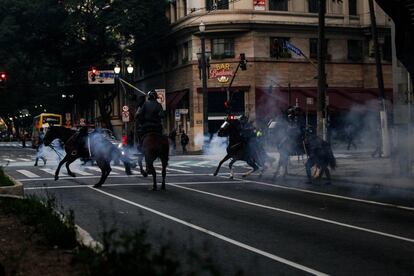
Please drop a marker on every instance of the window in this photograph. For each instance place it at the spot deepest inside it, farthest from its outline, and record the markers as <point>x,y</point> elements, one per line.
<point>387,49</point>
<point>185,53</point>
<point>313,48</point>
<point>353,7</point>
<point>313,6</point>
<point>278,5</point>
<point>222,48</point>
<point>355,50</point>
<point>174,56</point>
<point>217,5</point>
<point>277,48</point>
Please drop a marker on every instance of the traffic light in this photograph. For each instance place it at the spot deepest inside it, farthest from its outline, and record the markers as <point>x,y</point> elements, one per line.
<point>3,77</point>
<point>243,62</point>
<point>93,74</point>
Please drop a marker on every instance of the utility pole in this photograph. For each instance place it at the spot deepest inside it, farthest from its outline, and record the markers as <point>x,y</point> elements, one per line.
<point>383,112</point>
<point>321,119</point>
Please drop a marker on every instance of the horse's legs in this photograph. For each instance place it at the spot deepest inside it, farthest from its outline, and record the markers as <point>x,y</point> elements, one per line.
<point>105,170</point>
<point>227,157</point>
<point>308,165</point>
<point>70,161</point>
<point>254,168</point>
<point>231,168</point>
<point>60,165</point>
<point>164,163</point>
<point>151,170</point>
<point>328,175</point>
<point>143,172</point>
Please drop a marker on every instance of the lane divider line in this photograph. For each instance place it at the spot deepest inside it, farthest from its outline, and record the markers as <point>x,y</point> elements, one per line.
<point>328,195</point>
<point>299,214</point>
<point>218,236</point>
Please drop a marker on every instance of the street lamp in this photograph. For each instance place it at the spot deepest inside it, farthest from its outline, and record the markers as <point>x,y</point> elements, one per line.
<point>203,64</point>
<point>120,72</point>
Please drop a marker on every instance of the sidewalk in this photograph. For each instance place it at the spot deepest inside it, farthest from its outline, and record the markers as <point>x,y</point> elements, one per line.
<point>357,165</point>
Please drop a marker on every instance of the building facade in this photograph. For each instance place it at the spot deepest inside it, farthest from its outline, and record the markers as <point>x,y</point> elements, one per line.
<point>275,77</point>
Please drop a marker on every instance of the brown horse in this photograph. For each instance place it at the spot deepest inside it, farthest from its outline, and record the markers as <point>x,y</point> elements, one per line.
<point>154,145</point>
<point>95,146</point>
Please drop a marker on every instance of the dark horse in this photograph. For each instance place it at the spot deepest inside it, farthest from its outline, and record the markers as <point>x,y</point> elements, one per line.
<point>291,140</point>
<point>154,145</point>
<point>96,146</point>
<point>238,149</point>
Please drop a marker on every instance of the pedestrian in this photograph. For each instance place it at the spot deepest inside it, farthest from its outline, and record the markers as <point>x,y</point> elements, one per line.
<point>349,136</point>
<point>172,137</point>
<point>184,141</point>
<point>40,147</point>
<point>378,142</point>
<point>23,138</point>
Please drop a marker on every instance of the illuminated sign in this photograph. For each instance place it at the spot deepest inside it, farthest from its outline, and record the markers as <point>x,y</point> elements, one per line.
<point>222,72</point>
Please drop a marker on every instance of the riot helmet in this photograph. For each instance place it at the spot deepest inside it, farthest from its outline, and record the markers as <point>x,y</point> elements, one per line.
<point>152,95</point>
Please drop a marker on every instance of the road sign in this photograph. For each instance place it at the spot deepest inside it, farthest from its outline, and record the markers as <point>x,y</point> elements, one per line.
<point>293,48</point>
<point>183,110</point>
<point>161,97</point>
<point>309,101</point>
<point>177,115</point>
<point>125,108</point>
<point>82,121</point>
<point>103,77</point>
<point>125,116</point>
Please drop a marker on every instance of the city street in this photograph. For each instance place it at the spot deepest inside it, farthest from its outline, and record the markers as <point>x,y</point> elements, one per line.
<point>258,225</point>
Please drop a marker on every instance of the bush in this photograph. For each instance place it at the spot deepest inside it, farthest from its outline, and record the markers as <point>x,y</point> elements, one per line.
<point>4,180</point>
<point>43,217</point>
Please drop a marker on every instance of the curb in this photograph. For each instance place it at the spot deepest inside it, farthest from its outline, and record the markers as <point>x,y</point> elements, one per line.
<point>15,191</point>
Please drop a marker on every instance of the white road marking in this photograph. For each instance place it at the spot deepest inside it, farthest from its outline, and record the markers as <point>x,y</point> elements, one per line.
<point>98,170</point>
<point>328,195</point>
<point>149,183</point>
<point>77,171</point>
<point>174,170</point>
<point>298,214</point>
<point>52,172</point>
<point>24,159</point>
<point>218,236</point>
<point>179,164</point>
<point>27,173</point>
<point>10,160</point>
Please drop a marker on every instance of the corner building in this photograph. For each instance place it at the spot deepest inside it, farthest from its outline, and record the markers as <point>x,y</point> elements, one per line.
<point>275,77</point>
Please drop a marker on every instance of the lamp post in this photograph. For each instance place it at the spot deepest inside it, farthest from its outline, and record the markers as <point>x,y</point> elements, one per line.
<point>119,71</point>
<point>202,29</point>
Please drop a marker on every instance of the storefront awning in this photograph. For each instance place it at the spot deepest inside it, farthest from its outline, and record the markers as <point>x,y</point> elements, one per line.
<point>174,98</point>
<point>340,98</point>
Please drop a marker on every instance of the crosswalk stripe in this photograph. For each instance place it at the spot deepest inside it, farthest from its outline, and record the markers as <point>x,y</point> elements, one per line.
<point>80,172</point>
<point>179,164</point>
<point>27,173</point>
<point>203,164</point>
<point>174,170</point>
<point>98,170</point>
<point>119,168</point>
<point>24,159</point>
<point>10,160</point>
<point>52,172</point>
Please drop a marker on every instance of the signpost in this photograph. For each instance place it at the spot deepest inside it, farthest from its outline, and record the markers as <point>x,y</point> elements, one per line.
<point>161,97</point>
<point>102,77</point>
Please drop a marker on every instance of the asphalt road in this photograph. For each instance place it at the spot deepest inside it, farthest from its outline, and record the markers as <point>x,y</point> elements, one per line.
<point>258,225</point>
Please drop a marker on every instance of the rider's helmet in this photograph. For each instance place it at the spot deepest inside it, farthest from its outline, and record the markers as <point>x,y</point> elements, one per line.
<point>152,95</point>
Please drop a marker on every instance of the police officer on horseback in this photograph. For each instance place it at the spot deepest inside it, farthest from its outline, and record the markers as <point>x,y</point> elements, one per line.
<point>149,116</point>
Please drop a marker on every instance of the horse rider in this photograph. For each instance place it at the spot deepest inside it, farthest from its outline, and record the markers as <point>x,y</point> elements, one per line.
<point>149,117</point>
<point>78,139</point>
<point>248,134</point>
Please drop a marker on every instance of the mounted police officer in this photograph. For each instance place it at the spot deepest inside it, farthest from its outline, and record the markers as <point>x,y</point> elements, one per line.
<point>249,136</point>
<point>149,116</point>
